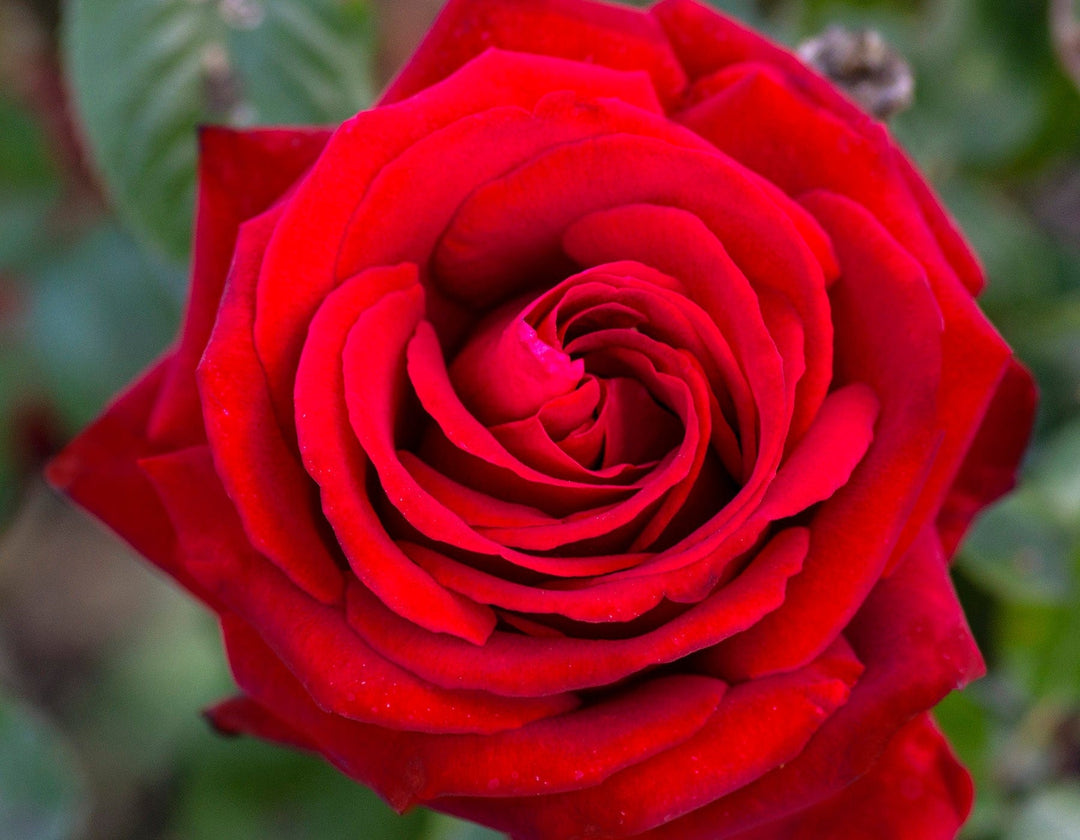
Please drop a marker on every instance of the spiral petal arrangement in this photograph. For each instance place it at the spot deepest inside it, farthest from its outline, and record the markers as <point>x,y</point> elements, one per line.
<point>575,441</point>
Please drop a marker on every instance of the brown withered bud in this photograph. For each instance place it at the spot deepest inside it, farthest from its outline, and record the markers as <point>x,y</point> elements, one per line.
<point>864,66</point>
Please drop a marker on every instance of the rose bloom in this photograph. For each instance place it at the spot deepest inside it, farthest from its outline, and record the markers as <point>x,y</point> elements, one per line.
<point>575,442</point>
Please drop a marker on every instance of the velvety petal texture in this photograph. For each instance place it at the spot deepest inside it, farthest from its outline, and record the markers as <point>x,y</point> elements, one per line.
<point>576,441</point>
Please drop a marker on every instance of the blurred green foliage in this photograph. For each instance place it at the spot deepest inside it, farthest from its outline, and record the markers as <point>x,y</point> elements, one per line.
<point>89,293</point>
<point>146,74</point>
<point>41,795</point>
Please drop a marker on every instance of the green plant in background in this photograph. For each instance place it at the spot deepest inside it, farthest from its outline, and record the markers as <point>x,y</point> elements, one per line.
<point>145,74</point>
<point>89,295</point>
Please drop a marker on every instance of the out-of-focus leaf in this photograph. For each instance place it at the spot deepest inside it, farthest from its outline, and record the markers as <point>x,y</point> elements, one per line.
<point>138,72</point>
<point>442,827</point>
<point>100,311</point>
<point>24,215</point>
<point>147,700</point>
<point>27,184</point>
<point>1017,553</point>
<point>1047,337</point>
<point>1019,33</point>
<point>302,62</point>
<point>145,74</point>
<point>18,386</point>
<point>1057,477</point>
<point>41,789</point>
<point>965,720</point>
<point>1040,642</point>
<point>972,106</point>
<point>1025,630</point>
<point>747,11</point>
<point>1014,253</point>
<point>245,789</point>
<point>818,9</point>
<point>23,161</point>
<point>1053,814</point>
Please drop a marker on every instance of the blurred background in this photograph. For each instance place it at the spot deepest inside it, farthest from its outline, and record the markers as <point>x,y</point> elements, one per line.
<point>104,665</point>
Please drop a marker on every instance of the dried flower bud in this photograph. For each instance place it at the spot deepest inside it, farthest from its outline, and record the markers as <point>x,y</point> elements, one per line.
<point>865,66</point>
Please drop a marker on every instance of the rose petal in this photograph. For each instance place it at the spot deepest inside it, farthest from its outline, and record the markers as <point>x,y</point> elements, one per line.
<point>758,726</point>
<point>793,144</point>
<point>242,715</point>
<point>469,445</point>
<point>261,472</point>
<point>558,665</point>
<point>645,232</point>
<point>707,41</point>
<point>241,173</point>
<point>915,642</point>
<point>989,468</point>
<point>590,601</point>
<point>824,459</point>
<point>336,460</point>
<point>395,222</point>
<point>99,470</point>
<point>301,263</point>
<point>949,238</point>
<point>339,671</point>
<point>855,531</point>
<point>915,791</point>
<point>624,39</point>
<point>564,752</point>
<point>975,361</point>
<point>528,440</point>
<point>507,372</point>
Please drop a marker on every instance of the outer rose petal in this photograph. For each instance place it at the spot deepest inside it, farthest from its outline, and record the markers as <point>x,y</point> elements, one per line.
<point>914,640</point>
<point>759,725</point>
<point>915,791</point>
<point>339,671</point>
<point>241,173</point>
<point>241,715</point>
<point>99,470</point>
<point>568,664</point>
<point>708,42</point>
<point>261,472</point>
<point>989,468</point>
<point>610,36</point>
<point>562,753</point>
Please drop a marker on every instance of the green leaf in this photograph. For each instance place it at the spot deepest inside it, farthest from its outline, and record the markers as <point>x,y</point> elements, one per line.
<point>1056,477</point>
<point>138,73</point>
<point>245,789</point>
<point>964,719</point>
<point>28,185</point>
<point>146,72</point>
<point>1018,554</point>
<point>1040,642</point>
<point>442,827</point>
<point>303,62</point>
<point>99,312</point>
<point>1050,342</point>
<point>1009,244</point>
<point>972,107</point>
<point>41,789</point>
<point>23,161</point>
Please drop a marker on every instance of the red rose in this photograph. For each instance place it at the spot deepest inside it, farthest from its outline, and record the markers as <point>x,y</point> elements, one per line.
<point>575,441</point>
